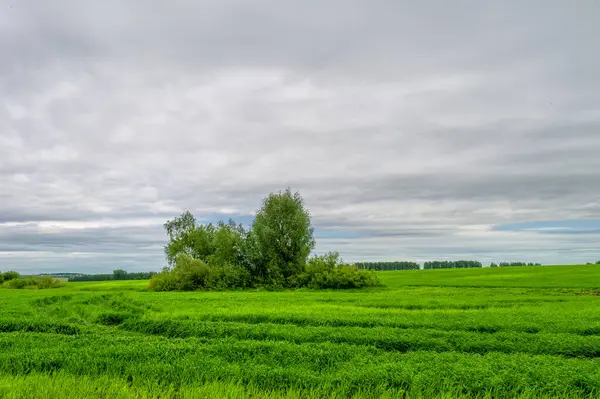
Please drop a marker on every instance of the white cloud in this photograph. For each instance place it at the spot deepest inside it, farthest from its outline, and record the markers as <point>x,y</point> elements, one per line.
<point>412,128</point>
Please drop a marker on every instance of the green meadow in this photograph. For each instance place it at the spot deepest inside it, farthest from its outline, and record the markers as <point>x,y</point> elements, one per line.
<point>529,332</point>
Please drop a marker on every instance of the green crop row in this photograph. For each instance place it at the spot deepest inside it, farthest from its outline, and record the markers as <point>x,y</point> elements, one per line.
<point>326,367</point>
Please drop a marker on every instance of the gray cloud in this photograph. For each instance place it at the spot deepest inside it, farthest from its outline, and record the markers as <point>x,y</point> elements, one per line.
<point>410,129</point>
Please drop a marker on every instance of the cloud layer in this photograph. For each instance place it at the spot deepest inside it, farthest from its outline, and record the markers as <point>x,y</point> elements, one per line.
<point>414,131</point>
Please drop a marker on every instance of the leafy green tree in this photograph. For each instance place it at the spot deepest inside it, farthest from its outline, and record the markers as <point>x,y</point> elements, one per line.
<point>283,237</point>
<point>180,231</point>
<point>10,275</point>
<point>119,274</point>
<point>185,237</point>
<point>227,243</point>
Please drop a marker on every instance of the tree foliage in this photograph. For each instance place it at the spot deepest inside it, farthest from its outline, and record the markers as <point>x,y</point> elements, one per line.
<point>10,275</point>
<point>283,236</point>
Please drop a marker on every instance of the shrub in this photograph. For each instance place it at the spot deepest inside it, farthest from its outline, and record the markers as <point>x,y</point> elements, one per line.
<point>33,283</point>
<point>188,274</point>
<point>191,274</point>
<point>327,271</point>
<point>229,276</point>
<point>164,281</point>
<point>11,275</point>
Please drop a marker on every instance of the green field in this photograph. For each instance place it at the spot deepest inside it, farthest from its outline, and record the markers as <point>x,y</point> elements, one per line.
<point>491,333</point>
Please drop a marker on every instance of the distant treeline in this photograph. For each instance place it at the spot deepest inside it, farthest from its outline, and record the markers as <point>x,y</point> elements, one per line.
<point>388,266</point>
<point>505,264</point>
<point>65,275</point>
<point>436,264</point>
<point>449,264</point>
<point>116,275</point>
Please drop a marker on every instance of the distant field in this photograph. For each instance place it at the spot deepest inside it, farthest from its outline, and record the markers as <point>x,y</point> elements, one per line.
<point>498,333</point>
<point>118,285</point>
<point>584,276</point>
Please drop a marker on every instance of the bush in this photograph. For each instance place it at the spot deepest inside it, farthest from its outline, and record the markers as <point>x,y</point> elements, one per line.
<point>188,274</point>
<point>191,274</point>
<point>229,276</point>
<point>11,275</point>
<point>33,283</point>
<point>327,271</point>
<point>164,281</point>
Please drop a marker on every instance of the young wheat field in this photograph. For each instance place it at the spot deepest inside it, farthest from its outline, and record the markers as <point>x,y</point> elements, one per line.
<point>508,332</point>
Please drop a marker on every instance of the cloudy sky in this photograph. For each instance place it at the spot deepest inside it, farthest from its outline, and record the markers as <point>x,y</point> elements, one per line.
<point>414,130</point>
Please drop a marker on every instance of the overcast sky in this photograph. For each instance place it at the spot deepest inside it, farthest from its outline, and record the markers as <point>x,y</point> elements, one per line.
<point>414,130</point>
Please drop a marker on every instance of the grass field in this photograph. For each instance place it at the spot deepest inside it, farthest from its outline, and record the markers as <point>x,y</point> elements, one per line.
<point>492,333</point>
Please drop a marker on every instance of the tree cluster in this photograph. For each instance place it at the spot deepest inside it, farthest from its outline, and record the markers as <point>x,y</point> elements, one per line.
<point>118,274</point>
<point>273,252</point>
<point>506,264</point>
<point>7,276</point>
<point>448,264</point>
<point>387,266</point>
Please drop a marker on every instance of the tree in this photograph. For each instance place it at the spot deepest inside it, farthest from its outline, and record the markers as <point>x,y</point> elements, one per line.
<point>187,238</point>
<point>283,237</point>
<point>119,274</point>
<point>227,243</point>
<point>10,275</point>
